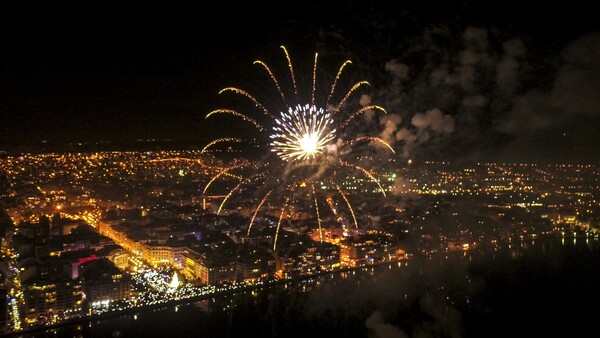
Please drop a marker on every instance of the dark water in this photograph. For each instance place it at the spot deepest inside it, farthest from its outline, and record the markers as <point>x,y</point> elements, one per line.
<point>548,287</point>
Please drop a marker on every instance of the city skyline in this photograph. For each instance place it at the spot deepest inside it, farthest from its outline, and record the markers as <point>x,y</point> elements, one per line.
<point>502,82</point>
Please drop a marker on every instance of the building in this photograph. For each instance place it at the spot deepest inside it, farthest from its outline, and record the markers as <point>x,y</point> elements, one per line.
<point>369,249</point>
<point>209,268</point>
<point>254,264</point>
<point>307,258</point>
<point>157,254</point>
<point>103,282</point>
<point>50,294</point>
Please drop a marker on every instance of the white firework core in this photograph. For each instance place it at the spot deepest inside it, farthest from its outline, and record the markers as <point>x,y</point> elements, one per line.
<point>308,143</point>
<point>302,133</point>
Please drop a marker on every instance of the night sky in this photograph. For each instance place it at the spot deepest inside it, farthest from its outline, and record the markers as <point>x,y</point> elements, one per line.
<point>509,81</point>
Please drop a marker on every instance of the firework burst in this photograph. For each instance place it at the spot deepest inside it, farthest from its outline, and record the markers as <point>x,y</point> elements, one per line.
<point>305,134</point>
<point>301,133</point>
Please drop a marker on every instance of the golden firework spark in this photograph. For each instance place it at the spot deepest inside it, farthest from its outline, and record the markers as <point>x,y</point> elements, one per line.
<point>339,73</point>
<point>287,56</point>
<point>371,139</point>
<point>246,94</point>
<point>220,140</point>
<point>318,214</point>
<point>221,173</point>
<point>366,172</point>
<point>352,90</point>
<point>238,114</point>
<point>256,211</point>
<point>314,83</point>
<point>360,111</point>
<point>347,203</point>
<point>287,199</point>
<point>273,78</point>
<point>178,159</point>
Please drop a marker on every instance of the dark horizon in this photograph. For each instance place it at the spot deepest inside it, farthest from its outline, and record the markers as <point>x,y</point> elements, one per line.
<point>517,81</point>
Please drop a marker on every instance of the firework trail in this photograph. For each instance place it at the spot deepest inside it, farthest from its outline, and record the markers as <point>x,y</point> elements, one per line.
<point>220,140</point>
<point>360,111</point>
<point>221,173</point>
<point>273,78</point>
<point>347,203</point>
<point>238,186</point>
<point>256,211</point>
<point>347,62</point>
<point>178,159</point>
<point>287,199</point>
<point>352,90</point>
<point>314,86</point>
<point>238,114</point>
<point>318,214</point>
<point>252,98</point>
<point>287,56</point>
<point>366,172</point>
<point>371,139</point>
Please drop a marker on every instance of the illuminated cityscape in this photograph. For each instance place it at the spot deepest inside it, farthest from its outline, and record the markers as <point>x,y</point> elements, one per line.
<point>75,248</point>
<point>315,169</point>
